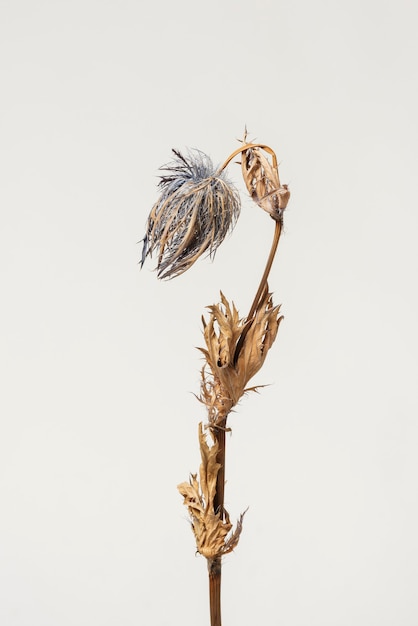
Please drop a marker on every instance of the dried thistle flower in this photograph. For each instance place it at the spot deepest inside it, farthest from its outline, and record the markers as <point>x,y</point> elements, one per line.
<point>229,376</point>
<point>212,532</point>
<point>196,209</point>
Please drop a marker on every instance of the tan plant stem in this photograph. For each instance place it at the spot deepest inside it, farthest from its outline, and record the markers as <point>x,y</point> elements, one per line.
<point>215,574</point>
<point>248,146</point>
<point>261,289</point>
<point>215,566</point>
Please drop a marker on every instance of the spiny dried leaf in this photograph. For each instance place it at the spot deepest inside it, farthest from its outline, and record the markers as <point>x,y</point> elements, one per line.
<point>212,533</point>
<point>233,539</point>
<point>197,208</point>
<point>259,338</point>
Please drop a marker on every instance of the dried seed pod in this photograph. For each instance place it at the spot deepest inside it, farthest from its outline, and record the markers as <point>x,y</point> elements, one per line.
<point>263,183</point>
<point>196,209</point>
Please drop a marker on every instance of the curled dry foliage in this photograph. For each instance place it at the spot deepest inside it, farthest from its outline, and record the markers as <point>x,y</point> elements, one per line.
<point>196,209</point>
<point>212,533</point>
<point>228,379</point>
<point>263,183</point>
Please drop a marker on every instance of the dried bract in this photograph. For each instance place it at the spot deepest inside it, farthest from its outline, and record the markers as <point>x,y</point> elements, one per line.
<point>263,183</point>
<point>213,534</point>
<point>229,376</point>
<point>196,209</point>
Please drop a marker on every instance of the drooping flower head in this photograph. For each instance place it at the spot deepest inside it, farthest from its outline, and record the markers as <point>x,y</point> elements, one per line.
<point>196,209</point>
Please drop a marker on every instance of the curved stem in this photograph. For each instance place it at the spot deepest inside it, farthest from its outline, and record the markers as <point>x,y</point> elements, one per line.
<point>247,146</point>
<point>260,291</point>
<point>263,282</point>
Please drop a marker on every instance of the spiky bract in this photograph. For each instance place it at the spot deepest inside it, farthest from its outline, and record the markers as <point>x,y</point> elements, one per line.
<point>227,380</point>
<point>197,208</point>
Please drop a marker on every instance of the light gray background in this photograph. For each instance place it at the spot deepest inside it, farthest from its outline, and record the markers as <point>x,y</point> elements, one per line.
<point>98,359</point>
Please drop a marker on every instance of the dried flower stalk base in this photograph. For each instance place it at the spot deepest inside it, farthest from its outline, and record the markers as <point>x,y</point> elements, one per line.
<point>197,207</point>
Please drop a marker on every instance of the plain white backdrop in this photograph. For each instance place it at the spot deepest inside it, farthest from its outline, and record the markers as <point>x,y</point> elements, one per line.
<point>98,359</point>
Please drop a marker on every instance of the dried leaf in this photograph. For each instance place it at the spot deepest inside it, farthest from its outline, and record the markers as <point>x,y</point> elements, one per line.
<point>212,533</point>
